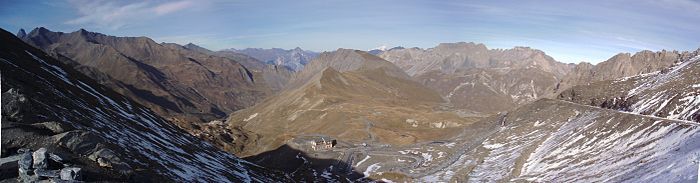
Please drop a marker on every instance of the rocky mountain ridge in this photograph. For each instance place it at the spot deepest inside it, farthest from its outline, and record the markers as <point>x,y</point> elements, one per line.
<point>478,80</point>
<point>670,93</point>
<point>622,65</point>
<point>49,106</point>
<point>449,57</point>
<point>182,84</point>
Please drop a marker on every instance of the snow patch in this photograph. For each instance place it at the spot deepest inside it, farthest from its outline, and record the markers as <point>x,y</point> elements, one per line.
<point>251,117</point>
<point>370,169</point>
<point>362,161</point>
<point>493,146</point>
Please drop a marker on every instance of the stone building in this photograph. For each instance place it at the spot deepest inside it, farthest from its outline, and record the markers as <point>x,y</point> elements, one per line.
<point>323,144</point>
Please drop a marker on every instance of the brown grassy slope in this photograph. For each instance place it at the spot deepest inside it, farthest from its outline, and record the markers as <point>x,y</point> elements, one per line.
<point>343,103</point>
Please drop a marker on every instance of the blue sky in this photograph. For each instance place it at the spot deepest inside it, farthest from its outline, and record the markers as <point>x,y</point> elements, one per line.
<point>569,31</point>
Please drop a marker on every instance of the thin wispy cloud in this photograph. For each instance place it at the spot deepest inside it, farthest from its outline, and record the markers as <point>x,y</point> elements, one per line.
<point>249,36</point>
<point>113,15</point>
<point>216,41</point>
<point>166,8</point>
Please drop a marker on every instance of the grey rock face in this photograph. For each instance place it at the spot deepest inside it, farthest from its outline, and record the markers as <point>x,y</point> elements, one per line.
<point>81,142</point>
<point>23,150</point>
<point>14,105</point>
<point>25,163</point>
<point>104,162</point>
<point>55,127</point>
<point>27,175</point>
<point>71,173</point>
<point>102,153</point>
<point>40,158</point>
<point>56,158</point>
<point>47,173</point>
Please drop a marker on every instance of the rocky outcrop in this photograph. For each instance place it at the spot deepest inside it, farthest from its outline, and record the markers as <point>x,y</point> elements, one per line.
<point>15,105</point>
<point>43,165</point>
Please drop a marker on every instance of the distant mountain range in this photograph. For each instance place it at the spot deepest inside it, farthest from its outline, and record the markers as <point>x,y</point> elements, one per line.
<point>294,59</point>
<point>382,49</point>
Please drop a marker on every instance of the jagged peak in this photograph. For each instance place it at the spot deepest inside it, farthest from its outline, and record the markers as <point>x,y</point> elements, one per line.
<point>645,52</point>
<point>192,46</point>
<point>21,33</point>
<point>41,31</point>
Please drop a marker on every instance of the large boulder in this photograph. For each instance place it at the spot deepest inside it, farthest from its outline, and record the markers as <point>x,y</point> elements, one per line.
<point>57,158</point>
<point>108,159</point>
<point>27,175</point>
<point>102,153</point>
<point>54,127</point>
<point>79,142</point>
<point>25,162</point>
<point>47,173</point>
<point>71,173</point>
<point>40,159</point>
<point>15,106</point>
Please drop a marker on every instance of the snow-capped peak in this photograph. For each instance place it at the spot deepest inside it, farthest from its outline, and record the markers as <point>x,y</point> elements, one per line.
<point>382,48</point>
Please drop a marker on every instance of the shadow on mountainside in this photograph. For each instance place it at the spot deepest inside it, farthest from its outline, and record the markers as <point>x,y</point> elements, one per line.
<point>305,167</point>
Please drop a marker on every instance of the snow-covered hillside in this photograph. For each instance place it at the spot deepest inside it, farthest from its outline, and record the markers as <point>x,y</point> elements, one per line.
<point>557,141</point>
<point>671,93</point>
